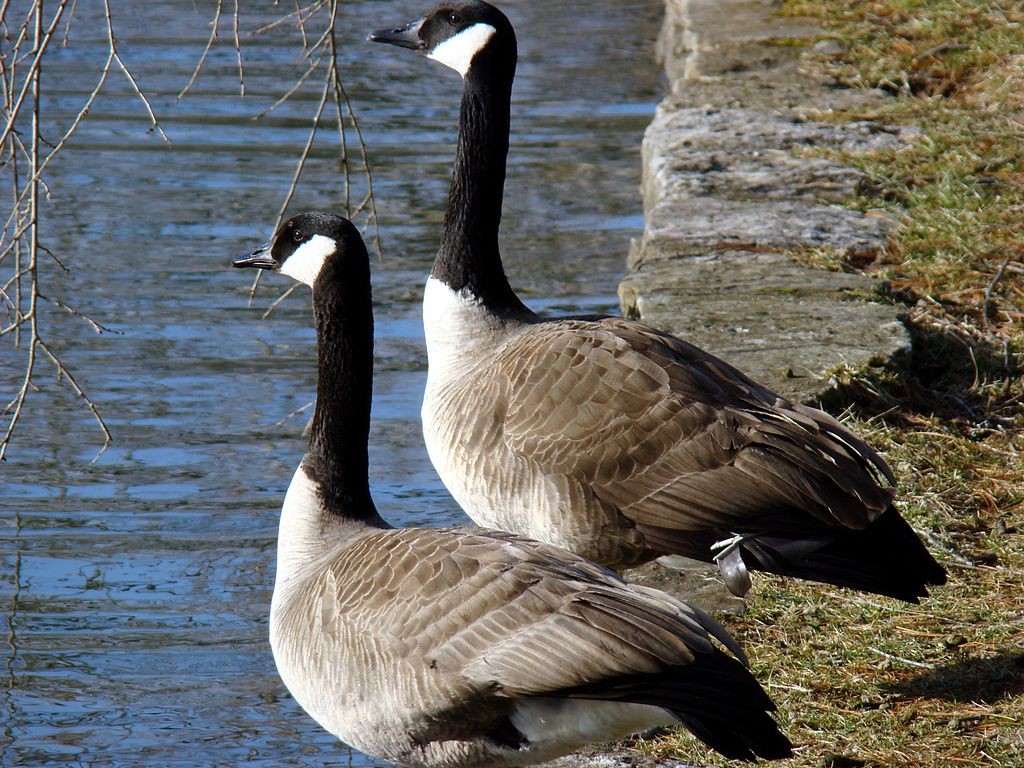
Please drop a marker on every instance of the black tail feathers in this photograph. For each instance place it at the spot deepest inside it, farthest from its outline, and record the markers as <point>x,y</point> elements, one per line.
<point>886,558</point>
<point>715,697</point>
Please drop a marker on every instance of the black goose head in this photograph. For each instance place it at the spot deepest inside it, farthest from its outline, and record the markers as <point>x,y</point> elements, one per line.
<point>460,34</point>
<point>304,244</point>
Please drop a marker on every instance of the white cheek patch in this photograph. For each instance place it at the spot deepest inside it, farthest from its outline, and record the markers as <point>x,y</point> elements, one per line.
<point>457,52</point>
<point>306,261</point>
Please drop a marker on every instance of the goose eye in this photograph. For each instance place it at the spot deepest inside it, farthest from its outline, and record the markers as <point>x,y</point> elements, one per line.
<point>454,19</point>
<point>298,235</point>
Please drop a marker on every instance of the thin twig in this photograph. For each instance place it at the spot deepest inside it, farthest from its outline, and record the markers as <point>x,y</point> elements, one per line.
<point>278,300</point>
<point>41,44</point>
<point>338,97</point>
<point>22,227</point>
<point>313,8</point>
<point>299,166</point>
<point>64,373</point>
<point>900,659</point>
<point>340,89</point>
<point>992,287</point>
<point>941,48</point>
<point>131,79</point>
<point>301,24</point>
<point>74,124</point>
<point>238,52</point>
<point>294,413</point>
<point>938,543</point>
<point>202,58</point>
<point>98,327</point>
<point>33,233</point>
<point>291,91</point>
<point>67,24</point>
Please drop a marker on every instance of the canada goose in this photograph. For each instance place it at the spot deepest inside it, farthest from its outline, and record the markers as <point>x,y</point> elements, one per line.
<point>462,646</point>
<point>605,436</point>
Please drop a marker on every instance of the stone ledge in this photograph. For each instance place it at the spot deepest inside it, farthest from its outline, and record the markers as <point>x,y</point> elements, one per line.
<point>732,189</point>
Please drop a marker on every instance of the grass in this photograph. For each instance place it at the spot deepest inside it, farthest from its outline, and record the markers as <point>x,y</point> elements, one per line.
<point>864,681</point>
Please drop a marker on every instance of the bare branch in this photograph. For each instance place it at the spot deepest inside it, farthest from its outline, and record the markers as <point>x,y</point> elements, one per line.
<point>298,84</point>
<point>238,52</point>
<point>301,19</point>
<point>41,44</point>
<point>21,229</point>
<point>67,24</point>
<point>294,413</point>
<point>206,51</point>
<point>300,165</point>
<point>112,40</point>
<point>64,373</point>
<point>19,401</point>
<point>98,327</point>
<point>278,300</point>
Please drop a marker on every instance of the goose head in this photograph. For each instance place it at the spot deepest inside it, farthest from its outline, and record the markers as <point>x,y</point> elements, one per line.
<point>304,246</point>
<point>462,35</point>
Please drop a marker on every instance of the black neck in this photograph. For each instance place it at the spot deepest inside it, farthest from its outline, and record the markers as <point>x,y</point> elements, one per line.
<point>469,255</point>
<point>337,455</point>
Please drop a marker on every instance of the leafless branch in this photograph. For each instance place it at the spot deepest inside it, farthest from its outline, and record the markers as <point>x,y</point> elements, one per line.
<point>278,300</point>
<point>25,156</point>
<point>98,327</point>
<point>206,51</point>
<point>112,40</point>
<point>42,41</point>
<point>21,81</point>
<point>64,373</point>
<point>301,16</point>
<point>294,413</point>
<point>303,157</point>
<point>291,91</point>
<point>67,24</point>
<point>238,52</point>
<point>344,114</point>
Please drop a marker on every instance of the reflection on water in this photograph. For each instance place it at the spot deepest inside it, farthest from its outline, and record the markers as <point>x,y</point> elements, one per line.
<point>135,590</point>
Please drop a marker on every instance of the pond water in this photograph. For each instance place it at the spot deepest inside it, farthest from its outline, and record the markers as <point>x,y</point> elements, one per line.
<point>135,589</point>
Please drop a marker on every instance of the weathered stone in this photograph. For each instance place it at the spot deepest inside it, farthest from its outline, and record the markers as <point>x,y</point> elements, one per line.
<point>733,190</point>
<point>678,227</point>
<point>766,312</point>
<point>746,153</point>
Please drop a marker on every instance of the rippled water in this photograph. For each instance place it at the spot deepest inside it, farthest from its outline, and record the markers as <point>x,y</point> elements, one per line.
<point>135,589</point>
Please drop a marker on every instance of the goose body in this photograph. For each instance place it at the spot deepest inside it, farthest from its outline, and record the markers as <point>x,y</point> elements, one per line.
<point>463,647</point>
<point>608,437</point>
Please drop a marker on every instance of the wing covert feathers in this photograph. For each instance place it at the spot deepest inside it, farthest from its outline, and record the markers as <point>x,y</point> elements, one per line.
<point>693,452</point>
<point>497,618</point>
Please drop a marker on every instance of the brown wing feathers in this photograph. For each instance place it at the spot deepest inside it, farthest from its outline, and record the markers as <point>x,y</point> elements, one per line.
<point>536,622</point>
<point>693,452</point>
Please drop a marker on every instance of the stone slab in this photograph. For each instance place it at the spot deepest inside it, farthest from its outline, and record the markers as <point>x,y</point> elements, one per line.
<point>736,186</point>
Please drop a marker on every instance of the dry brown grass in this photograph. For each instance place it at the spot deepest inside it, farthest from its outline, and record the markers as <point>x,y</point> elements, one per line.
<point>864,681</point>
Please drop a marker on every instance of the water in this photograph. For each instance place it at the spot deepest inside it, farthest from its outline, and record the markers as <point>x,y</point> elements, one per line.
<point>135,590</point>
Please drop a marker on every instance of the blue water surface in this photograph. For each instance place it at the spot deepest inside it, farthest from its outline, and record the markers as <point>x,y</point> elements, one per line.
<point>135,587</point>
